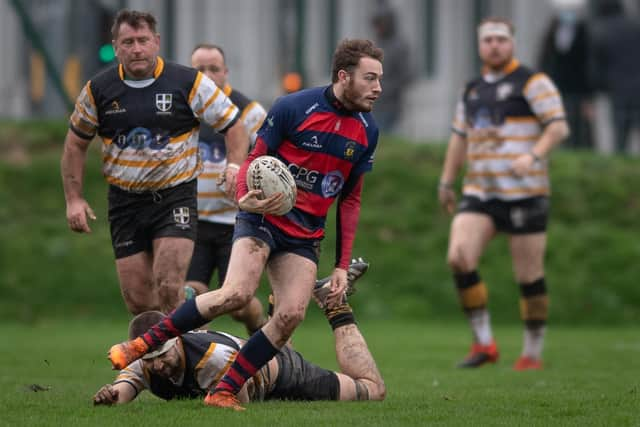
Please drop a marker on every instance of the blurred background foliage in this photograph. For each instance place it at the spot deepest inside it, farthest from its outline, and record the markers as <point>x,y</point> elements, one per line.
<point>592,260</point>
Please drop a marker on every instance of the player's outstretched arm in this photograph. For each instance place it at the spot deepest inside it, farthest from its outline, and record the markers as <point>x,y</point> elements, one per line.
<point>111,394</point>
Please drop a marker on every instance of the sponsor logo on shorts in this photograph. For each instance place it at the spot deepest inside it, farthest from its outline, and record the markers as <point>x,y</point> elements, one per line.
<point>518,217</point>
<point>123,244</point>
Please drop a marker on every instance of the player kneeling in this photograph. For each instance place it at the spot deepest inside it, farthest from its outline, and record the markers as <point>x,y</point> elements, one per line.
<point>190,365</point>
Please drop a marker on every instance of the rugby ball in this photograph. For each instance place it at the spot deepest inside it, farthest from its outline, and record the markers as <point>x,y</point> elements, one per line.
<point>272,176</point>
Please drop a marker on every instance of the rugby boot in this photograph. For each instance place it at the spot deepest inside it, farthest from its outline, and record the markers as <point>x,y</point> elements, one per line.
<point>480,355</point>
<point>356,270</point>
<point>223,399</point>
<point>526,363</point>
<point>123,354</point>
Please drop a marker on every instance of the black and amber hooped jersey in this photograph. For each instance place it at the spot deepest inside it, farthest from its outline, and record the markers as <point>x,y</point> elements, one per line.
<point>213,205</point>
<point>207,355</point>
<point>501,118</point>
<point>149,128</point>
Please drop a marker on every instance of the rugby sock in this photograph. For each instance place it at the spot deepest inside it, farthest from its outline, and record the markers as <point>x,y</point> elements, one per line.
<point>481,326</point>
<point>340,316</point>
<point>181,320</point>
<point>534,310</point>
<point>252,356</point>
<point>473,296</point>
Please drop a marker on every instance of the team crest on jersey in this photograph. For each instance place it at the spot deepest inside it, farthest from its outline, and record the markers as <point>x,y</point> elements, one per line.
<point>164,102</point>
<point>503,91</point>
<point>350,149</point>
<point>181,216</point>
<point>473,95</point>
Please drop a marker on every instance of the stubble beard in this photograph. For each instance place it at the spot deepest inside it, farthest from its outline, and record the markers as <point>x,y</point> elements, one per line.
<point>350,100</point>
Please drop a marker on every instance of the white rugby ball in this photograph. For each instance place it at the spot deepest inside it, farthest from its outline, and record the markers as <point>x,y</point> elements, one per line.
<point>272,176</point>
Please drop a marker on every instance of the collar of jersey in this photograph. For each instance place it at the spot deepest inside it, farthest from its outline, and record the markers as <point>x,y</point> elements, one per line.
<point>507,69</point>
<point>156,72</point>
<point>334,101</point>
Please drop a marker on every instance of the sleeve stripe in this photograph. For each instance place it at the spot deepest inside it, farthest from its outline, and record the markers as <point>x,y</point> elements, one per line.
<point>247,110</point>
<point>532,79</point>
<point>230,109</point>
<point>93,120</point>
<point>79,133</point>
<point>556,112</point>
<point>545,95</point>
<point>194,89</point>
<point>90,94</point>
<point>210,101</point>
<point>255,128</point>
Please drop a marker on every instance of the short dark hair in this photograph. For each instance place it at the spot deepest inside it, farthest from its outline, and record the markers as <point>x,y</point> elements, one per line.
<point>348,54</point>
<point>500,20</point>
<point>143,321</point>
<point>209,46</point>
<point>133,18</point>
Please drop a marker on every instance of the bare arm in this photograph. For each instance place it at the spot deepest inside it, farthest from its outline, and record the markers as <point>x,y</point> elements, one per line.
<point>237,144</point>
<point>453,162</point>
<point>72,167</point>
<point>110,394</point>
<point>554,133</point>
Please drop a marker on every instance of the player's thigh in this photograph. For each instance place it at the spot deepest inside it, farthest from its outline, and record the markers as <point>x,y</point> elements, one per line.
<point>171,258</point>
<point>527,253</point>
<point>292,278</point>
<point>135,276</point>
<point>469,235</point>
<point>248,257</point>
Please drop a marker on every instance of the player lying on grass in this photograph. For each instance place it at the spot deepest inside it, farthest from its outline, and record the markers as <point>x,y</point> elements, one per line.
<point>189,365</point>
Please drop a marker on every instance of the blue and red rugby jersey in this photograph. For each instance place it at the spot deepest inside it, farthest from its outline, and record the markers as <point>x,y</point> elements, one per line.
<point>327,148</point>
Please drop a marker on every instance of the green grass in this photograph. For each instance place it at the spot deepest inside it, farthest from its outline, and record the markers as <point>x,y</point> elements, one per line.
<point>591,378</point>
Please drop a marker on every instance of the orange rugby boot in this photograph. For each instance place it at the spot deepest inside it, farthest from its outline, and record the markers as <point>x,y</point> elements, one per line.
<point>123,354</point>
<point>223,399</point>
<point>480,355</point>
<point>526,363</point>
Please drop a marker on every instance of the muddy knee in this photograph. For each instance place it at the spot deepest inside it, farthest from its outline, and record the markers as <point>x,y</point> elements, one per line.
<point>287,320</point>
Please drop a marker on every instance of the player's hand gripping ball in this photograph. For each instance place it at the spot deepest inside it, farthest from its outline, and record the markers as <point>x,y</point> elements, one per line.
<point>270,175</point>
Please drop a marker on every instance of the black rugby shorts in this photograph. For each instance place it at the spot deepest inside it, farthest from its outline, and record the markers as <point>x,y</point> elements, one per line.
<point>136,219</point>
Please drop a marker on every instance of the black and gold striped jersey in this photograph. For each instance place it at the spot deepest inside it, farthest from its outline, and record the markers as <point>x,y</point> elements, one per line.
<point>149,128</point>
<point>501,117</point>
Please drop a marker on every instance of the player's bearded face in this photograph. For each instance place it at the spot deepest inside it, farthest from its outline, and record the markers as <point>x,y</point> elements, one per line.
<point>496,51</point>
<point>137,50</point>
<point>167,365</point>
<point>362,86</point>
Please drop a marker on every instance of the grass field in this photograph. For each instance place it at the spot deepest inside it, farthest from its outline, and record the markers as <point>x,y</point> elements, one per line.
<point>592,377</point>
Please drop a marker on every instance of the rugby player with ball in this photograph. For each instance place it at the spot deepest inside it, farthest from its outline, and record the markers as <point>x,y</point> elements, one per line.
<point>326,137</point>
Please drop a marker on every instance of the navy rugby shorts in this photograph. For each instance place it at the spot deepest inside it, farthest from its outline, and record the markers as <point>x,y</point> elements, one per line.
<point>253,225</point>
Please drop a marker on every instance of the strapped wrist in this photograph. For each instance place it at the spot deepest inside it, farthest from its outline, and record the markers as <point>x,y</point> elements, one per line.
<point>444,185</point>
<point>233,166</point>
